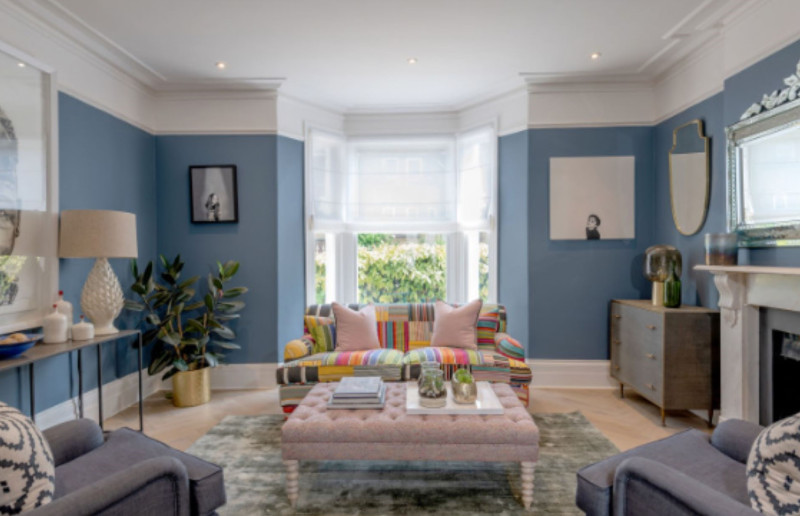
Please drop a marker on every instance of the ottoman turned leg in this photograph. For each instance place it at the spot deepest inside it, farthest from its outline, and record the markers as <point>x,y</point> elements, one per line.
<point>527,483</point>
<point>292,474</point>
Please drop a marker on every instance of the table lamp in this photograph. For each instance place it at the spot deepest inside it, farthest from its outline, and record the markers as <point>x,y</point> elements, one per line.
<point>99,234</point>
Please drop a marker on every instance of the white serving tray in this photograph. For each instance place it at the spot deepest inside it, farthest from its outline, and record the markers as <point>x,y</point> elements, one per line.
<point>486,404</point>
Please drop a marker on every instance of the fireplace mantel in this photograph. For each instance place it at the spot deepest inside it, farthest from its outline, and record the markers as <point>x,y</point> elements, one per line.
<point>743,289</point>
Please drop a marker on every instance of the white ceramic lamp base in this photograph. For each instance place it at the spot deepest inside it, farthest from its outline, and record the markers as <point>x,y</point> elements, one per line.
<point>101,299</point>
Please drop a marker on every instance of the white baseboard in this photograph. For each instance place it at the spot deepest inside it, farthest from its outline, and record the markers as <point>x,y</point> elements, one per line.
<point>123,392</point>
<point>571,374</point>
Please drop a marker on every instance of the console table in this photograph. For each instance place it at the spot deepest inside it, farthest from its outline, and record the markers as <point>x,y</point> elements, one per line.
<point>42,351</point>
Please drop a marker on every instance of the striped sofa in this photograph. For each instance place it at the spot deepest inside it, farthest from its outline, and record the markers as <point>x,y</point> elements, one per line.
<point>404,332</point>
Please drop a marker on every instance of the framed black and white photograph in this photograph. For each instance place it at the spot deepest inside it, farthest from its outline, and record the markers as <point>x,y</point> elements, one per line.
<point>28,191</point>
<point>592,198</point>
<point>214,194</point>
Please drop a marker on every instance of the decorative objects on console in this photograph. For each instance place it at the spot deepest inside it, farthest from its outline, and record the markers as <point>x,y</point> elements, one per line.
<point>83,330</point>
<point>660,261</point>
<point>672,288</point>
<point>456,327</point>
<point>722,248</point>
<point>183,328</point>
<point>355,330</point>
<point>55,327</point>
<point>65,307</point>
<point>99,234</point>
<point>669,356</point>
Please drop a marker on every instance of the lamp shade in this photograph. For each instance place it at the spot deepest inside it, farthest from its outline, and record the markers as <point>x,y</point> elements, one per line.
<point>97,234</point>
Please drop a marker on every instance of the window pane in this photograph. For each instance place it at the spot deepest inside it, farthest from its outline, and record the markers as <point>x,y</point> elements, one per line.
<point>483,266</point>
<point>401,268</point>
<point>319,268</point>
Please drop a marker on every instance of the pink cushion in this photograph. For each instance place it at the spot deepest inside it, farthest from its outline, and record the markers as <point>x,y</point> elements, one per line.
<point>355,331</point>
<point>456,327</point>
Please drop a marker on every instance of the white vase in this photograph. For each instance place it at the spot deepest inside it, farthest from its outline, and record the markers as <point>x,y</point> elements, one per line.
<point>101,299</point>
<point>65,307</point>
<point>55,327</point>
<point>83,331</point>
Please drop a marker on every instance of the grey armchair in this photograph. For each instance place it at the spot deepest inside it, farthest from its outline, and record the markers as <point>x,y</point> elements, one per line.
<point>688,473</point>
<point>127,473</point>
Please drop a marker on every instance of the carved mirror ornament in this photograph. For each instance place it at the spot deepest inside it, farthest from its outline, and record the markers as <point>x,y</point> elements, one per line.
<point>763,161</point>
<point>689,177</point>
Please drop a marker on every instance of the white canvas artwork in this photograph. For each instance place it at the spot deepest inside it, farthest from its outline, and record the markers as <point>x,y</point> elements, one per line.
<point>592,198</point>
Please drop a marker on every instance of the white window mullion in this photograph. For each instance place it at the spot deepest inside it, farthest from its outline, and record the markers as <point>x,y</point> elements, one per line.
<point>347,254</point>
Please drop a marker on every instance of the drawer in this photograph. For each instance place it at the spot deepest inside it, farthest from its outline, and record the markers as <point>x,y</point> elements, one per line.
<point>642,327</point>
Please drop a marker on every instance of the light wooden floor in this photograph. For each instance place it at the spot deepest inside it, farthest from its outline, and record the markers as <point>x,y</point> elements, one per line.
<point>627,423</point>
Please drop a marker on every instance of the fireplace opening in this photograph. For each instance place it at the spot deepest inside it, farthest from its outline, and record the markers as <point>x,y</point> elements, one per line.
<point>780,365</point>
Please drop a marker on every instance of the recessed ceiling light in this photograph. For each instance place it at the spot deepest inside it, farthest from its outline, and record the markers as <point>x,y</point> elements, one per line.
<point>220,65</point>
<point>21,64</point>
<point>595,56</point>
<point>412,60</point>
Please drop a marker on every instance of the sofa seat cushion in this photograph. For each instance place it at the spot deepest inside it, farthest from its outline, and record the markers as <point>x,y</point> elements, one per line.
<point>689,452</point>
<point>335,365</point>
<point>126,447</point>
<point>443,355</point>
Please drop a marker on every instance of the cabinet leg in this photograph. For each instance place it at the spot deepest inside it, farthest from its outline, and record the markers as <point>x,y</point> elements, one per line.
<point>710,417</point>
<point>663,417</point>
<point>621,391</point>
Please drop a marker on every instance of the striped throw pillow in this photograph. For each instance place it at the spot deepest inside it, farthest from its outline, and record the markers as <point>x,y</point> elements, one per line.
<point>323,331</point>
<point>488,326</point>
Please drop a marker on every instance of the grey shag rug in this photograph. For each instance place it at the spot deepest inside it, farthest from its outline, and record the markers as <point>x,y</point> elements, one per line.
<point>248,448</point>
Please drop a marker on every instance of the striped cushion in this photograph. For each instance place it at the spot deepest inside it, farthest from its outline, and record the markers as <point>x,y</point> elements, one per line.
<point>509,347</point>
<point>353,358</point>
<point>488,324</point>
<point>393,335</point>
<point>456,356</point>
<point>298,348</point>
<point>323,331</point>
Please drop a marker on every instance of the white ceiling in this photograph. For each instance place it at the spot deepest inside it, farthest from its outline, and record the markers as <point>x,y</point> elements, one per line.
<point>352,54</point>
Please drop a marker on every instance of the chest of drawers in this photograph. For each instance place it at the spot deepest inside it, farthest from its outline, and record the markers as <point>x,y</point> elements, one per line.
<point>668,355</point>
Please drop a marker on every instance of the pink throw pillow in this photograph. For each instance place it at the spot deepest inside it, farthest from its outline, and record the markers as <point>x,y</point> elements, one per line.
<point>355,331</point>
<point>456,327</point>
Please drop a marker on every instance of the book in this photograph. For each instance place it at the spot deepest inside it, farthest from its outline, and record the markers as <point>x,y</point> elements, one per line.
<point>358,387</point>
<point>373,404</point>
<point>359,401</point>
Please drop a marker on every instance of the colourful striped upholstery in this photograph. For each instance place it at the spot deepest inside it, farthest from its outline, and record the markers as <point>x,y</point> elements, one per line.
<point>404,332</point>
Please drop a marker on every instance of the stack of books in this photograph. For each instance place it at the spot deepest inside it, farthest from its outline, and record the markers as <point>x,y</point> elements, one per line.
<point>367,392</point>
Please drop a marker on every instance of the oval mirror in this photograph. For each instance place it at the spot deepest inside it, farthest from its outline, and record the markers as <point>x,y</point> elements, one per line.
<point>689,177</point>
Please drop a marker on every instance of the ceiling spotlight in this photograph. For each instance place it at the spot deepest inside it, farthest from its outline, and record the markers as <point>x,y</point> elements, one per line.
<point>412,60</point>
<point>220,65</point>
<point>595,56</point>
<point>21,64</point>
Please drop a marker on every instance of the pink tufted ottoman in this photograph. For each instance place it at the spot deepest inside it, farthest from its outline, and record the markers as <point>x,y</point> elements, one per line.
<point>314,433</point>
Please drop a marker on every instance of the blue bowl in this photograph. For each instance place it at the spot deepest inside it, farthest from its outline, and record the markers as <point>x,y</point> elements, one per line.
<point>18,348</point>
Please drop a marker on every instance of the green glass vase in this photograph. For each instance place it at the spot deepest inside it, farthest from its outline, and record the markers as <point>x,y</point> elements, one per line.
<point>672,289</point>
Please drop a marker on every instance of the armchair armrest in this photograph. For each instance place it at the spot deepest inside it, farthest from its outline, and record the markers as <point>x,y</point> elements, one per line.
<point>735,437</point>
<point>298,348</point>
<point>509,347</point>
<point>154,486</point>
<point>644,486</point>
<point>72,439</point>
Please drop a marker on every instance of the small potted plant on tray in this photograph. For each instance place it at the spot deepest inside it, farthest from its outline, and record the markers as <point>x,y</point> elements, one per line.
<point>188,335</point>
<point>465,390</point>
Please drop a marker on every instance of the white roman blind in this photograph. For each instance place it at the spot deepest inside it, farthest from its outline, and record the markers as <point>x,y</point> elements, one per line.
<point>440,184</point>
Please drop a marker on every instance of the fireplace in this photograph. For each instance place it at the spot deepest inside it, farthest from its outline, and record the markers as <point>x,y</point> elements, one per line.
<point>779,364</point>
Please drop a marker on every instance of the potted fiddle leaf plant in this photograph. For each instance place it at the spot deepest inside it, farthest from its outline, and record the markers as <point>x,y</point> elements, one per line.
<point>188,335</point>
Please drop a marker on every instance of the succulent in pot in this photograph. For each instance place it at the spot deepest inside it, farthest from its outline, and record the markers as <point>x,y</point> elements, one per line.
<point>465,390</point>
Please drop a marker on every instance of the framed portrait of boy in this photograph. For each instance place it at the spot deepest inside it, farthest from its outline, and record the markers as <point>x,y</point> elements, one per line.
<point>214,194</point>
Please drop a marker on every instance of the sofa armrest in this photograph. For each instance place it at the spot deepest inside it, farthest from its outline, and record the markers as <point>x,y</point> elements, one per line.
<point>509,347</point>
<point>154,486</point>
<point>298,348</point>
<point>735,437</point>
<point>72,439</point>
<point>644,486</point>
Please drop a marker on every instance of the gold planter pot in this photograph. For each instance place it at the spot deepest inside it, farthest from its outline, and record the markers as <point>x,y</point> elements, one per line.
<point>191,388</point>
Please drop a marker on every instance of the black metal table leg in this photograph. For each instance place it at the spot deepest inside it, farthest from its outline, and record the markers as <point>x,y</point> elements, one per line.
<point>32,382</point>
<point>80,383</point>
<point>141,398</point>
<point>100,384</point>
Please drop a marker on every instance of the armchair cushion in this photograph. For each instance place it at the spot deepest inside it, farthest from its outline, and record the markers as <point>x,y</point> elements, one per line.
<point>323,331</point>
<point>735,438</point>
<point>126,447</point>
<point>72,439</point>
<point>689,452</point>
<point>456,356</point>
<point>508,347</point>
<point>298,348</point>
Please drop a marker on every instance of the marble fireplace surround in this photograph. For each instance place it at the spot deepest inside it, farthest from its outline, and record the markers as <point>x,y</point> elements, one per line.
<point>743,289</point>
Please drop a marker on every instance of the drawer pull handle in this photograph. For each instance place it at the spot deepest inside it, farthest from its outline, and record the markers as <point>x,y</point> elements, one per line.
<point>650,386</point>
<point>616,368</point>
<point>617,316</point>
<point>651,327</point>
<point>650,356</point>
<point>617,341</point>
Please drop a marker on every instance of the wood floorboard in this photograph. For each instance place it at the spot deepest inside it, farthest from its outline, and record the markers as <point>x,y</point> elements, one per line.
<point>627,422</point>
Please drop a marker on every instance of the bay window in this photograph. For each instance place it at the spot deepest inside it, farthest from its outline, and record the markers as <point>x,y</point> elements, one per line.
<point>400,219</point>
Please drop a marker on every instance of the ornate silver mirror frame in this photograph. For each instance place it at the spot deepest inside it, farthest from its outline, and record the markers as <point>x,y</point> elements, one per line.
<point>689,177</point>
<point>775,119</point>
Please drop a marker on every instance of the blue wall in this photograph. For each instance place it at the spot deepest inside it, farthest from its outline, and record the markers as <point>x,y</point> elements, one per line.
<point>573,281</point>
<point>104,163</point>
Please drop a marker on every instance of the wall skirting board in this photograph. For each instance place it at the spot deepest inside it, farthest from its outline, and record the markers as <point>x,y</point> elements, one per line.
<point>571,374</point>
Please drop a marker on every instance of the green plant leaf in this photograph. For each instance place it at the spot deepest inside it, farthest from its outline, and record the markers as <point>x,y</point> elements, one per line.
<point>148,273</point>
<point>231,268</point>
<point>134,268</point>
<point>134,305</point>
<point>224,332</point>
<point>138,288</point>
<point>225,344</point>
<point>234,292</point>
<point>230,307</point>
<point>211,359</point>
<point>194,325</point>
<point>189,282</point>
<point>169,374</point>
<point>180,364</point>
<point>217,283</point>
<point>209,302</point>
<point>164,261</point>
<point>158,363</point>
<point>173,339</point>
<point>153,319</point>
<point>194,306</point>
<point>226,317</point>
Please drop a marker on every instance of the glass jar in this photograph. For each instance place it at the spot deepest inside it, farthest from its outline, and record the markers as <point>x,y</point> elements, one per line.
<point>432,389</point>
<point>722,248</point>
<point>424,366</point>
<point>672,289</point>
